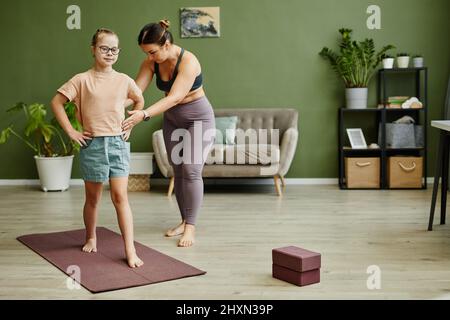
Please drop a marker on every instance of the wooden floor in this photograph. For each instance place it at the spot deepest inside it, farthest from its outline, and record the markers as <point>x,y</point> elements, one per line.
<point>237,229</point>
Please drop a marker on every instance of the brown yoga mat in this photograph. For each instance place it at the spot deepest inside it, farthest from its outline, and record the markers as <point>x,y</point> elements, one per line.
<point>107,269</point>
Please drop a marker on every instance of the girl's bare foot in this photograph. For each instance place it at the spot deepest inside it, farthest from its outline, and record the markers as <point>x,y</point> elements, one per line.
<point>176,231</point>
<point>90,245</point>
<point>133,259</point>
<point>187,239</point>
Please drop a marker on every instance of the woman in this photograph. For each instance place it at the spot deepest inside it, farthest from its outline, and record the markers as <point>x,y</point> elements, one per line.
<point>185,106</point>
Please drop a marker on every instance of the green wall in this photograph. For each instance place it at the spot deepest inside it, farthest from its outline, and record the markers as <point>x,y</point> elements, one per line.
<point>267,56</point>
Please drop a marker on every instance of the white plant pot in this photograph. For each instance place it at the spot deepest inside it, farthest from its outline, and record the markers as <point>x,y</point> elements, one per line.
<point>403,62</point>
<point>54,172</point>
<point>356,98</point>
<point>388,63</point>
<point>418,62</point>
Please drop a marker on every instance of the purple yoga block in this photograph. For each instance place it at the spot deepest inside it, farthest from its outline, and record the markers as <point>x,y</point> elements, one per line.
<point>296,258</point>
<point>296,265</point>
<point>298,278</point>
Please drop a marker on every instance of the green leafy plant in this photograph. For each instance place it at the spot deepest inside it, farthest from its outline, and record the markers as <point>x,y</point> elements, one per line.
<point>386,56</point>
<point>356,61</point>
<point>402,54</point>
<point>44,137</point>
<point>417,56</point>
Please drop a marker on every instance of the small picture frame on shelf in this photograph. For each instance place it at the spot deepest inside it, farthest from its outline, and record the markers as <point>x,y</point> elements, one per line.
<point>356,137</point>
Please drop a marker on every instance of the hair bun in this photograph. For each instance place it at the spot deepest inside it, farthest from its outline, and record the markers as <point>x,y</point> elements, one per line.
<point>164,23</point>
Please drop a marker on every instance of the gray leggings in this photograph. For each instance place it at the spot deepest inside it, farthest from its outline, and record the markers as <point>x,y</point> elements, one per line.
<point>188,155</point>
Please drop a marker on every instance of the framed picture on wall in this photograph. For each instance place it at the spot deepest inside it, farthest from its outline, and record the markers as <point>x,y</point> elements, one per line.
<point>356,137</point>
<point>200,22</point>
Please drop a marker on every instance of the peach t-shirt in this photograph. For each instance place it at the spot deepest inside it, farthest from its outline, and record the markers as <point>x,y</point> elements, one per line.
<point>100,99</point>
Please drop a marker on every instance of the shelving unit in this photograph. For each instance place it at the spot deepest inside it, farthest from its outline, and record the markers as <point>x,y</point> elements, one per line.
<point>382,116</point>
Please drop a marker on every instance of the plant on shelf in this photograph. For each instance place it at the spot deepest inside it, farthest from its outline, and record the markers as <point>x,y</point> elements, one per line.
<point>53,150</point>
<point>355,64</point>
<point>388,61</point>
<point>402,60</point>
<point>417,61</point>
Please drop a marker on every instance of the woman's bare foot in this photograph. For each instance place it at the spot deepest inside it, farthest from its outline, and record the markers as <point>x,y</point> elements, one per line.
<point>187,239</point>
<point>90,245</point>
<point>176,231</point>
<point>133,259</point>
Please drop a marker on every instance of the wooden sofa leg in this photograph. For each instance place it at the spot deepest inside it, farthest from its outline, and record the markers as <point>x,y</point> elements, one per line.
<point>276,179</point>
<point>282,181</point>
<point>171,185</point>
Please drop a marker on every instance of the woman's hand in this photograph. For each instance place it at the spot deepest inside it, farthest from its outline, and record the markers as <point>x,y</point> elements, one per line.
<point>79,137</point>
<point>135,117</point>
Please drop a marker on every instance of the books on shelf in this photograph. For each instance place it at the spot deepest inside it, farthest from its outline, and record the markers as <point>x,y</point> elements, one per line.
<point>401,102</point>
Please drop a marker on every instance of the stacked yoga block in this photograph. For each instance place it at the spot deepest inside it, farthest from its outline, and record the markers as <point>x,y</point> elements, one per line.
<point>296,265</point>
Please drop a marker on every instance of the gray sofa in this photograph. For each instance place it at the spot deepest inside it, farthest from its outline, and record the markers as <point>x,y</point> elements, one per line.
<point>270,157</point>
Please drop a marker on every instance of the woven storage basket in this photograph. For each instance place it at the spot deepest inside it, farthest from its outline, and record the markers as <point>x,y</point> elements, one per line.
<point>405,172</point>
<point>139,182</point>
<point>362,172</point>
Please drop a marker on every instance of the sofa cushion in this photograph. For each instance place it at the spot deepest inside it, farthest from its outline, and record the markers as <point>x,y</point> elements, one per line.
<point>239,170</point>
<point>262,154</point>
<point>226,129</point>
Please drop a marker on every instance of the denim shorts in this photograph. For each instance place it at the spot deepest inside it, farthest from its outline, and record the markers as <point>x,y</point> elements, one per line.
<point>104,158</point>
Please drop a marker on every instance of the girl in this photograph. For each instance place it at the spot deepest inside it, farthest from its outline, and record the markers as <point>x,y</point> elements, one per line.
<point>178,73</point>
<point>100,94</point>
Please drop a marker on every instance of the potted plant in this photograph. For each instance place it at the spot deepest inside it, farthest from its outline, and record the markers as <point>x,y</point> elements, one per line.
<point>355,64</point>
<point>402,60</point>
<point>54,152</point>
<point>388,61</point>
<point>418,61</point>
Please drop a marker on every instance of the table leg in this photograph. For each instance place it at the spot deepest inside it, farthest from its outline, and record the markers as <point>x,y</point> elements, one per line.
<point>437,175</point>
<point>444,183</point>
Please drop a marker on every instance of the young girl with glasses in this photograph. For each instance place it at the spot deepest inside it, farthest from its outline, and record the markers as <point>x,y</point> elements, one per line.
<point>100,95</point>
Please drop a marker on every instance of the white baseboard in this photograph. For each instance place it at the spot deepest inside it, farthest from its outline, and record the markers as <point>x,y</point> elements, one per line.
<point>208,181</point>
<point>34,182</point>
<point>255,181</point>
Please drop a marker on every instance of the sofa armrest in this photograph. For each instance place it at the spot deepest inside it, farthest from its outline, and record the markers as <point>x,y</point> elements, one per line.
<point>159,148</point>
<point>288,147</point>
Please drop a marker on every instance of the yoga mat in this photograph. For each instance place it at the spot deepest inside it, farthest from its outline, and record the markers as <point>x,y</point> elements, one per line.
<point>107,269</point>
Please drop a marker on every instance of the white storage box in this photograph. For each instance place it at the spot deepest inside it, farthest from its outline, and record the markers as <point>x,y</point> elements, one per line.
<point>141,167</point>
<point>141,163</point>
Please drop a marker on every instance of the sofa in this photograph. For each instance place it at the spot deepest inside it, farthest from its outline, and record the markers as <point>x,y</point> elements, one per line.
<point>261,154</point>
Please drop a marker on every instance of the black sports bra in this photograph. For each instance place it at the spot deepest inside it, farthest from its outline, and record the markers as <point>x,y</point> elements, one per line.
<point>167,85</point>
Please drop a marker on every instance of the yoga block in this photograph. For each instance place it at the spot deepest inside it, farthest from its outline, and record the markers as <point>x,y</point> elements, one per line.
<point>296,265</point>
<point>298,278</point>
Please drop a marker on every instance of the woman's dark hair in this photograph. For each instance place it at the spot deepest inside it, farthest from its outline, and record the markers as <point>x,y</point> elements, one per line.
<point>155,33</point>
<point>99,32</point>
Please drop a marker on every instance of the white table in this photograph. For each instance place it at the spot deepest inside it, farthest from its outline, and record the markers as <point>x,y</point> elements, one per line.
<point>441,124</point>
<point>441,170</point>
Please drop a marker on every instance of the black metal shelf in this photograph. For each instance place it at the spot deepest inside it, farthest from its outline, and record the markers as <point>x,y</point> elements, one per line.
<point>381,117</point>
<point>399,70</point>
<point>406,149</point>
<point>404,110</point>
<point>371,109</point>
<point>344,109</point>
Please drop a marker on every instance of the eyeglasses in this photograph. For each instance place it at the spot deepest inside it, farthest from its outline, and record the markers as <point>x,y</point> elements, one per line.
<point>105,50</point>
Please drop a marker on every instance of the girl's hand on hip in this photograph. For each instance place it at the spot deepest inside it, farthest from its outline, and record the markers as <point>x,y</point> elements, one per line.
<point>79,137</point>
<point>126,135</point>
<point>135,117</point>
